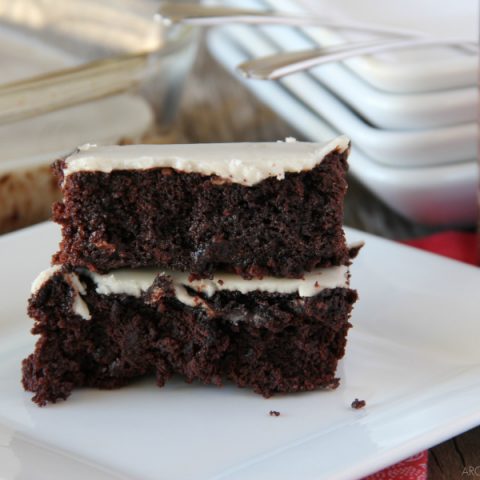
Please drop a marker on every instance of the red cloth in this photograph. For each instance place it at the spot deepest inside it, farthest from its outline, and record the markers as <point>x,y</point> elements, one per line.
<point>459,246</point>
<point>413,468</point>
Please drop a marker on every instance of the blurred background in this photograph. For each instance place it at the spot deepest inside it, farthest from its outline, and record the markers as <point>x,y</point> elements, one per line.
<point>85,71</point>
<point>411,114</point>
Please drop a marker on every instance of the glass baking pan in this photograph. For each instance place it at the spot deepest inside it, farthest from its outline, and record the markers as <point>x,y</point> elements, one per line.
<point>75,72</point>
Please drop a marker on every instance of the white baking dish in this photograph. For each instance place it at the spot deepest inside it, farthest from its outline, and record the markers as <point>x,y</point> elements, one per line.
<point>382,109</point>
<point>415,70</point>
<point>399,148</point>
<point>39,37</point>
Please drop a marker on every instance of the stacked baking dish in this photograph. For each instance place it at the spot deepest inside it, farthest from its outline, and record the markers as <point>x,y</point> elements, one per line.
<point>411,115</point>
<point>42,37</point>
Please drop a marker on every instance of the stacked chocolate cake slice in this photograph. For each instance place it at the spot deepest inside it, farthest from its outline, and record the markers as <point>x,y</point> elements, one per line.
<point>218,262</point>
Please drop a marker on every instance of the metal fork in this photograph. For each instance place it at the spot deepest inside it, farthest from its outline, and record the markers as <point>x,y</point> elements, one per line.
<point>282,64</point>
<point>286,63</point>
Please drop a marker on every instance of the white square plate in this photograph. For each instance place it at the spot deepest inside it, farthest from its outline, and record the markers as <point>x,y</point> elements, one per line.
<point>412,355</point>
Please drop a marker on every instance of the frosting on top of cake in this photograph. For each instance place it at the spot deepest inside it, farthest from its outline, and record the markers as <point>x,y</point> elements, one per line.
<point>135,282</point>
<point>243,163</point>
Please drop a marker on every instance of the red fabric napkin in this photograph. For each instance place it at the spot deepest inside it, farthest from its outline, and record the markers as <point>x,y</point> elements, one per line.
<point>459,246</point>
<point>413,468</point>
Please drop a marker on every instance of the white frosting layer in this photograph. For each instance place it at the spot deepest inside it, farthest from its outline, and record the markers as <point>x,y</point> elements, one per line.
<point>244,163</point>
<point>135,282</point>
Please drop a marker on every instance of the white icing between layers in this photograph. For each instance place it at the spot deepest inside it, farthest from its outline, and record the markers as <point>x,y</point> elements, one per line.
<point>244,163</point>
<point>78,305</point>
<point>43,277</point>
<point>135,282</point>
<point>78,289</point>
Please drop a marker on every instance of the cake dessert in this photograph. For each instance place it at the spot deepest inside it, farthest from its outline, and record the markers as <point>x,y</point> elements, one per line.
<point>273,335</point>
<point>234,267</point>
<point>265,209</point>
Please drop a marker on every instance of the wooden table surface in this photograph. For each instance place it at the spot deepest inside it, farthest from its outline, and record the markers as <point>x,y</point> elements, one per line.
<point>217,108</point>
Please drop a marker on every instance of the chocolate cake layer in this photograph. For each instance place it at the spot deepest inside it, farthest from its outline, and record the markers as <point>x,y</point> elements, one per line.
<point>270,342</point>
<point>280,221</point>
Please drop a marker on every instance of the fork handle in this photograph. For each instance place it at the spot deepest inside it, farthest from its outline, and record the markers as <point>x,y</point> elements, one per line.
<point>279,65</point>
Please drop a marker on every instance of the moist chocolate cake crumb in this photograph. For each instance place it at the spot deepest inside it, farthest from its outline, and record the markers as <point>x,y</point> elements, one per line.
<point>358,404</point>
<point>274,413</point>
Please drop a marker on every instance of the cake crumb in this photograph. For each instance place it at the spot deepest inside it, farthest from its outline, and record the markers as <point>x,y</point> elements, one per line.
<point>333,384</point>
<point>358,404</point>
<point>274,413</point>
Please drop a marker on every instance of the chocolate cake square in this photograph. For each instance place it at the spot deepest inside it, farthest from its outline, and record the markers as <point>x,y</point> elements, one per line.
<point>272,335</point>
<point>251,209</point>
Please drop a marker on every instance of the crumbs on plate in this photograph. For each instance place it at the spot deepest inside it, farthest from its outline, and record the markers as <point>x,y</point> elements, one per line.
<point>358,404</point>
